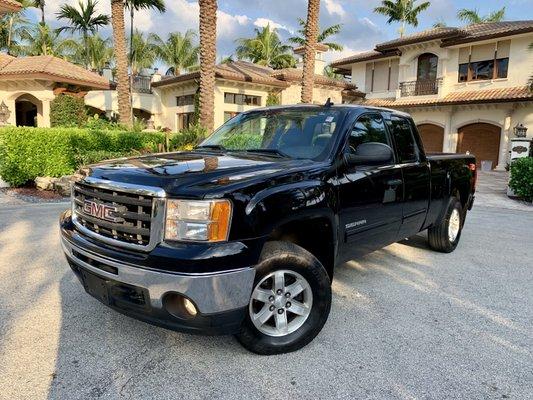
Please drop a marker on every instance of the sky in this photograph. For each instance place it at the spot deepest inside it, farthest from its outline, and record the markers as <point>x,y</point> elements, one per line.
<point>362,28</point>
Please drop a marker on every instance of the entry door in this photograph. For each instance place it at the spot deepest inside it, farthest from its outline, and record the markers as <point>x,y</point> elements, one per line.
<point>370,197</point>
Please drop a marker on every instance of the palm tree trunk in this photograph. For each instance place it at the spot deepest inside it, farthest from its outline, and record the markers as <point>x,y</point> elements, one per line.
<point>132,14</point>
<point>119,39</point>
<point>208,52</point>
<point>9,35</point>
<point>311,34</point>
<point>43,22</point>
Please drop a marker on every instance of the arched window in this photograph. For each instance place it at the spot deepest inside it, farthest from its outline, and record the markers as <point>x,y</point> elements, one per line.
<point>427,67</point>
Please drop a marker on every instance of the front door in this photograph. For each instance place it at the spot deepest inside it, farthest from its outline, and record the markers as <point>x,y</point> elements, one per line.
<point>369,196</point>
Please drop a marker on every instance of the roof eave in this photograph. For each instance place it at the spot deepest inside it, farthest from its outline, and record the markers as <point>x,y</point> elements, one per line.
<point>57,78</point>
<point>449,43</point>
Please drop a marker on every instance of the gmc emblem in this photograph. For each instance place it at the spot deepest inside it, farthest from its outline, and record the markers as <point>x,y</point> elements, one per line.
<point>101,211</point>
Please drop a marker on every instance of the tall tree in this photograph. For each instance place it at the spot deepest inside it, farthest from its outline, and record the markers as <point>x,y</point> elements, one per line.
<point>123,83</point>
<point>322,36</point>
<point>84,19</point>
<point>137,5</point>
<point>179,51</point>
<point>311,35</point>
<point>208,54</point>
<point>266,49</point>
<point>12,27</point>
<point>472,16</point>
<point>143,52</point>
<point>41,40</point>
<point>403,11</point>
<point>40,4</point>
<point>98,49</point>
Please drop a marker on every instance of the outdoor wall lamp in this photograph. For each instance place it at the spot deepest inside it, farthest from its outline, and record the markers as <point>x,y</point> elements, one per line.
<point>4,114</point>
<point>520,130</point>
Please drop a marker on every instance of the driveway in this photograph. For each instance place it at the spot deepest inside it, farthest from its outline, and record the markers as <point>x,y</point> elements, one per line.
<point>406,323</point>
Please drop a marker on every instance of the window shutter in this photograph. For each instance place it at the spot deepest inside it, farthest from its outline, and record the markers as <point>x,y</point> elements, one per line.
<point>464,55</point>
<point>368,78</point>
<point>504,48</point>
<point>381,76</point>
<point>483,52</point>
<point>394,73</point>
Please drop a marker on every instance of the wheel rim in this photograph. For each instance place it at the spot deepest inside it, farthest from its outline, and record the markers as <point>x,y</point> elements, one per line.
<point>281,303</point>
<point>454,225</point>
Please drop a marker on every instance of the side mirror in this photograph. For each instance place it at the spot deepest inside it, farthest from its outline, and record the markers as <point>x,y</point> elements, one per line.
<point>371,153</point>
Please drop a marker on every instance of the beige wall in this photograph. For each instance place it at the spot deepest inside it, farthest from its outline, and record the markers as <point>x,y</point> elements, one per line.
<point>293,94</point>
<point>38,93</point>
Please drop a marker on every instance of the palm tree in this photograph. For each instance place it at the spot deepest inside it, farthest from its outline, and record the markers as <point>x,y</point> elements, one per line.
<point>85,20</point>
<point>137,5</point>
<point>403,11</point>
<point>41,40</point>
<point>99,51</point>
<point>12,27</point>
<point>472,16</point>
<point>311,35</point>
<point>119,40</point>
<point>179,51</point>
<point>40,5</point>
<point>322,36</point>
<point>143,52</point>
<point>530,83</point>
<point>265,49</point>
<point>208,54</point>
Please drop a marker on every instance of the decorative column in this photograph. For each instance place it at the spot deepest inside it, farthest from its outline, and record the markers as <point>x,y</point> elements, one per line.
<point>449,142</point>
<point>43,118</point>
<point>504,141</point>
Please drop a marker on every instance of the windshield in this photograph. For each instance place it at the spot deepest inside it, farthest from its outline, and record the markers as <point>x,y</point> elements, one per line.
<point>294,133</point>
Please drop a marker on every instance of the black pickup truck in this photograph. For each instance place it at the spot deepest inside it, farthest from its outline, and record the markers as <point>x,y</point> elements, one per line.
<point>242,235</point>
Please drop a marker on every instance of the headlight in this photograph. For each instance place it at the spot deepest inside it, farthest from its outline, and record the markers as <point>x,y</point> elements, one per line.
<point>198,220</point>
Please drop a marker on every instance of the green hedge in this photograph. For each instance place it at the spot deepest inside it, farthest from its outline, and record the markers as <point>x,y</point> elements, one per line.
<point>67,111</point>
<point>522,177</point>
<point>26,153</point>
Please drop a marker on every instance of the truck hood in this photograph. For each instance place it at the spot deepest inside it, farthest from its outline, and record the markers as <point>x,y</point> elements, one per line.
<point>195,173</point>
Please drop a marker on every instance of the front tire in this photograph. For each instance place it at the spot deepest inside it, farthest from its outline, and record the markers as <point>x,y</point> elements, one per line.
<point>290,302</point>
<point>445,236</point>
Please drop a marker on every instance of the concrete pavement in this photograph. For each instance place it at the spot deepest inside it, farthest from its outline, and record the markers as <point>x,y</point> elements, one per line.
<point>406,323</point>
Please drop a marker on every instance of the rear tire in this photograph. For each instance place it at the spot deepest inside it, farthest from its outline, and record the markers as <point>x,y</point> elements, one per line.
<point>302,314</point>
<point>445,235</point>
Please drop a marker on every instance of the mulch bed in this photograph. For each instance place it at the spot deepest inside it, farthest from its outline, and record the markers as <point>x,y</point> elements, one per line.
<point>30,194</point>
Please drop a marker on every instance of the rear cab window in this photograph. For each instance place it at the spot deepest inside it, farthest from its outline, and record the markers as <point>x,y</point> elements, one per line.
<point>404,138</point>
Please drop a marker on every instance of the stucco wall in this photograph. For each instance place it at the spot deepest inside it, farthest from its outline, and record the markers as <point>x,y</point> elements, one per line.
<point>293,95</point>
<point>42,100</point>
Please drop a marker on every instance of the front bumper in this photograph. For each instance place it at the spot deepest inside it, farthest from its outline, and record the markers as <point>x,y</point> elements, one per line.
<point>221,298</point>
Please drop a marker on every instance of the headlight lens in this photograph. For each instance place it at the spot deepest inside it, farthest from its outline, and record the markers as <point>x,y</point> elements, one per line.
<point>198,220</point>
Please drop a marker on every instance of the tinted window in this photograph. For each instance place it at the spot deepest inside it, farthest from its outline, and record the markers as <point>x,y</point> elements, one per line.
<point>368,128</point>
<point>405,141</point>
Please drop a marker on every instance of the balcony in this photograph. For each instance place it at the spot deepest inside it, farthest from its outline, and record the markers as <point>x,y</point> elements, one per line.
<point>420,87</point>
<point>141,84</point>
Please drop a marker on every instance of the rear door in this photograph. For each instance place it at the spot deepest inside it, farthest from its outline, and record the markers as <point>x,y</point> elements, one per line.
<point>415,174</point>
<point>370,197</point>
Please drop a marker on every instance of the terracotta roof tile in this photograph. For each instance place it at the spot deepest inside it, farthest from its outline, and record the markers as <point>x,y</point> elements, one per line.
<point>429,34</point>
<point>490,30</point>
<point>365,56</point>
<point>464,97</point>
<point>243,71</point>
<point>52,68</point>
<point>9,6</point>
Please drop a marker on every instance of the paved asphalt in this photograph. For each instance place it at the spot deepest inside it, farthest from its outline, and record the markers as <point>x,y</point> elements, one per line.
<point>406,323</point>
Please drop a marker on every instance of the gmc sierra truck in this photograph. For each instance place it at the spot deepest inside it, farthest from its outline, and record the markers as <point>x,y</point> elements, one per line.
<point>242,234</point>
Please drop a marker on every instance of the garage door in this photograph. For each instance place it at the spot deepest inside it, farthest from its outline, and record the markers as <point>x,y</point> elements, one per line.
<point>432,137</point>
<point>482,140</point>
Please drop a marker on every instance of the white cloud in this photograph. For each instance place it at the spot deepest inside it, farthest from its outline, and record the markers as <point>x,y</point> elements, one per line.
<point>335,8</point>
<point>262,22</point>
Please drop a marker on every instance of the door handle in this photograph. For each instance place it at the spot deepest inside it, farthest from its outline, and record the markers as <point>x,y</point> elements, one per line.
<point>395,182</point>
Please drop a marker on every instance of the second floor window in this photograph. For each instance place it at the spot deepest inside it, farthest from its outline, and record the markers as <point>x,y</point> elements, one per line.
<point>187,100</point>
<point>484,62</point>
<point>242,99</point>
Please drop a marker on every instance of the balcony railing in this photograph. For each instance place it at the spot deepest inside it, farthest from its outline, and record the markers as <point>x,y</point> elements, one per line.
<point>141,84</point>
<point>420,87</point>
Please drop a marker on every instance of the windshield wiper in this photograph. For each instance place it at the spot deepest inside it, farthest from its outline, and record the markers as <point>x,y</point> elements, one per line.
<point>275,152</point>
<point>211,147</point>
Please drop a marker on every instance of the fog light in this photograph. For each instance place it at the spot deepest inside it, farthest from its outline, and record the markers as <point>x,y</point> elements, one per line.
<point>189,306</point>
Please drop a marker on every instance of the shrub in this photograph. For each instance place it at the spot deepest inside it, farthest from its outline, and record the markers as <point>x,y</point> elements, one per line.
<point>67,111</point>
<point>522,177</point>
<point>188,138</point>
<point>26,153</point>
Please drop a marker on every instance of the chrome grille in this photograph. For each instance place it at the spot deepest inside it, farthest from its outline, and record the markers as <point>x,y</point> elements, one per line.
<point>132,223</point>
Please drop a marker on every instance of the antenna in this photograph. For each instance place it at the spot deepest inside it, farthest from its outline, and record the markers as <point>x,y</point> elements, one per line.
<point>329,103</point>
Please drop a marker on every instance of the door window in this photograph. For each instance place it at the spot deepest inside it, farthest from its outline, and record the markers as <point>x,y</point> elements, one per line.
<point>368,128</point>
<point>405,140</point>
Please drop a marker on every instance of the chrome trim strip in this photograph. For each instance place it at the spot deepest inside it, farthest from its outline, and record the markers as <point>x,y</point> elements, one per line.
<point>131,188</point>
<point>212,293</point>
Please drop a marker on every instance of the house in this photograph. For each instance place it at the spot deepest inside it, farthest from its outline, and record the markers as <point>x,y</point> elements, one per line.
<point>168,101</point>
<point>466,88</point>
<point>29,84</point>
